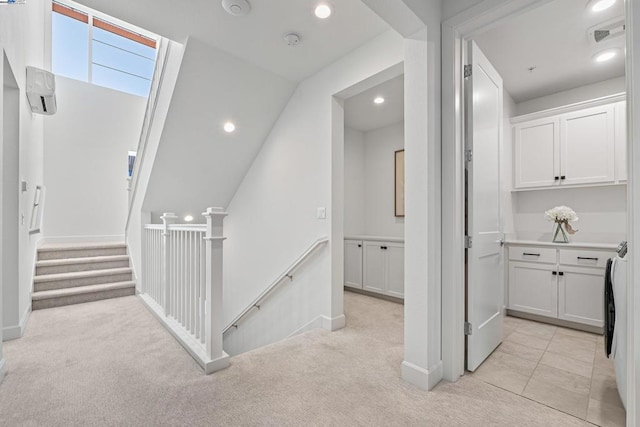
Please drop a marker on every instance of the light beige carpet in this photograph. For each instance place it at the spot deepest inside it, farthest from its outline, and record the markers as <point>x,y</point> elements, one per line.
<point>111,363</point>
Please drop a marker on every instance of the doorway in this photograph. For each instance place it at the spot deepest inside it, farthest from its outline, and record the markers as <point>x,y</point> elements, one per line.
<point>563,153</point>
<point>10,198</point>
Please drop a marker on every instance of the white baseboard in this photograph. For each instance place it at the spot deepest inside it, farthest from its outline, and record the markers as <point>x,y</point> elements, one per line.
<point>422,378</point>
<point>81,239</point>
<point>3,369</point>
<point>17,331</point>
<point>335,323</point>
<point>314,324</point>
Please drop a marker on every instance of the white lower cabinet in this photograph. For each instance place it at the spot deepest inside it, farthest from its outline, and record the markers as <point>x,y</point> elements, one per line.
<point>381,266</point>
<point>533,288</point>
<point>580,295</point>
<point>566,284</point>
<point>353,263</point>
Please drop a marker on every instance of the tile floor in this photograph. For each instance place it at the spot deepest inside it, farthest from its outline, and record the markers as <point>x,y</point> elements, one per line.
<point>562,368</point>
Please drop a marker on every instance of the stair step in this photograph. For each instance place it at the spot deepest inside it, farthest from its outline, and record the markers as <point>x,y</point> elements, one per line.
<point>69,265</point>
<point>77,295</point>
<point>84,250</point>
<point>49,282</point>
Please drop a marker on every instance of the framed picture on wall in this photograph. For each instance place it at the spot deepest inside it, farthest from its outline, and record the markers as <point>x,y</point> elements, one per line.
<point>399,183</point>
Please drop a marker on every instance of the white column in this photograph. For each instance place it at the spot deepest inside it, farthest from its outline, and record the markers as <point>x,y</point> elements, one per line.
<point>167,218</point>
<point>213,307</point>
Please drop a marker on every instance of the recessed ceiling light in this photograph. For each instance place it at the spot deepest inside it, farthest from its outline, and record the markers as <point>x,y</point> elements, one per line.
<point>605,55</point>
<point>323,11</point>
<point>600,5</point>
<point>188,218</point>
<point>378,100</point>
<point>229,127</point>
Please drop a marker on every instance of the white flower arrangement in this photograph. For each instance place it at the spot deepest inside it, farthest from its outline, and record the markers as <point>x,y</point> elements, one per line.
<point>561,214</point>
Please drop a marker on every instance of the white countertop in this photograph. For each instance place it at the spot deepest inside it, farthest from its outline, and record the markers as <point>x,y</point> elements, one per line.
<point>376,238</point>
<point>607,246</point>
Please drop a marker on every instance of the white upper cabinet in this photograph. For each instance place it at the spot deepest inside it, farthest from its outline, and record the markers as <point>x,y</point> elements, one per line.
<point>587,153</point>
<point>620,112</point>
<point>537,153</point>
<point>575,148</point>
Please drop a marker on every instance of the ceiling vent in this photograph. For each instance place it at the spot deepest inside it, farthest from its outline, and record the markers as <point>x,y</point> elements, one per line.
<point>607,30</point>
<point>236,7</point>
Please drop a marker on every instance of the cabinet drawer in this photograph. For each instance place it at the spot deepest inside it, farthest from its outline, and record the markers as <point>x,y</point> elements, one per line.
<point>532,254</point>
<point>585,257</point>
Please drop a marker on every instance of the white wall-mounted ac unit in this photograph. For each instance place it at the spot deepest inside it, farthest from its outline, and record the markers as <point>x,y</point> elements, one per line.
<point>41,91</point>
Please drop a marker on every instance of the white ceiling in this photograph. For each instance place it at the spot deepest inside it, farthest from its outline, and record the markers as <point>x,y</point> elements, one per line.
<point>362,114</point>
<point>553,38</point>
<point>257,37</point>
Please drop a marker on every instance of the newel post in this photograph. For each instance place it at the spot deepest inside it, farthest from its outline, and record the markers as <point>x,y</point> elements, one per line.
<point>167,218</point>
<point>213,322</point>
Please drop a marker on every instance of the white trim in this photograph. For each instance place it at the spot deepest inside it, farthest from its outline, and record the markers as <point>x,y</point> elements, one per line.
<point>81,239</point>
<point>314,324</point>
<point>633,206</point>
<point>609,99</point>
<point>3,368</point>
<point>425,379</point>
<point>17,331</point>
<point>193,346</point>
<point>335,323</point>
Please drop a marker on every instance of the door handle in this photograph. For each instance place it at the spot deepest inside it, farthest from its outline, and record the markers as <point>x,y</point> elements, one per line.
<point>556,178</point>
<point>555,273</point>
<point>563,177</point>
<point>359,246</point>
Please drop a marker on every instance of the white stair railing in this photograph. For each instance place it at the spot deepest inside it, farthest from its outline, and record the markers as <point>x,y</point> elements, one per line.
<point>156,85</point>
<point>182,284</point>
<point>287,274</point>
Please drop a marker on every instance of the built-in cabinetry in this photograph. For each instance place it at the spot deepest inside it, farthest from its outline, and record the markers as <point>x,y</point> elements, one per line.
<point>375,265</point>
<point>577,147</point>
<point>560,282</point>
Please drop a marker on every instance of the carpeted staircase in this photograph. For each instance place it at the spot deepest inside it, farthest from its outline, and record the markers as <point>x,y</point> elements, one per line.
<point>76,273</point>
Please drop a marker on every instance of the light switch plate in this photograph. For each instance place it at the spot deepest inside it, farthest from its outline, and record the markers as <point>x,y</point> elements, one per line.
<point>322,213</point>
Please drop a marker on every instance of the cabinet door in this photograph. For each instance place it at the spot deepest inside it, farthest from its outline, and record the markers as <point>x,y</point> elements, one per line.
<point>353,263</point>
<point>374,268</point>
<point>587,146</point>
<point>536,154</point>
<point>533,288</point>
<point>581,295</point>
<point>395,269</point>
<point>621,141</point>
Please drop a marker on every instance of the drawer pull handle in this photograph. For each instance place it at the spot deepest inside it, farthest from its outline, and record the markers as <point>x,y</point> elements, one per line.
<point>587,258</point>
<point>529,254</point>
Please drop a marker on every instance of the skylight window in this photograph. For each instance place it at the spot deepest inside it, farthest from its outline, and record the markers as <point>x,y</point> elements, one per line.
<point>95,50</point>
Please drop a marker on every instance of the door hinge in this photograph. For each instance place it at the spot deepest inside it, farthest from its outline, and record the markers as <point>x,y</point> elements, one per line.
<point>467,71</point>
<point>468,328</point>
<point>468,155</point>
<point>468,242</point>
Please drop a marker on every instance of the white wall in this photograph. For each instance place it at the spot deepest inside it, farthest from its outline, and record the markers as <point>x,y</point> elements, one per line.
<point>506,166</point>
<point>369,181</point>
<point>22,37</point>
<point>85,168</point>
<point>198,165</point>
<point>272,217</point>
<point>602,212</point>
<point>379,164</point>
<point>354,182</point>
<point>572,96</point>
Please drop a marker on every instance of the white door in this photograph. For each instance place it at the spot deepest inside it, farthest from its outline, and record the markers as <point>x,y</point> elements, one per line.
<point>533,288</point>
<point>537,153</point>
<point>353,263</point>
<point>374,268</point>
<point>581,295</point>
<point>485,295</point>
<point>588,153</point>
<point>395,269</point>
